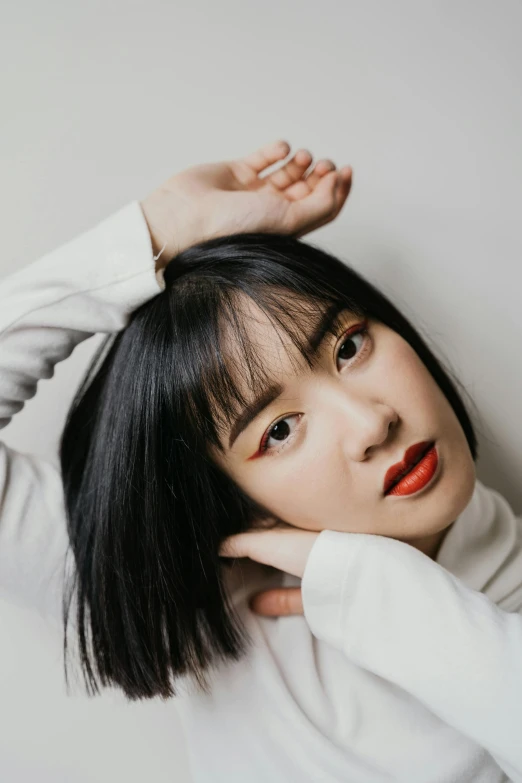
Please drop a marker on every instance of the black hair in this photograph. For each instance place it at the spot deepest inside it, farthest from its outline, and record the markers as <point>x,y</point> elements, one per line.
<point>147,506</point>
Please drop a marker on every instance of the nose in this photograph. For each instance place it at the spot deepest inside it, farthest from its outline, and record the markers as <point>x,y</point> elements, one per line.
<point>366,426</point>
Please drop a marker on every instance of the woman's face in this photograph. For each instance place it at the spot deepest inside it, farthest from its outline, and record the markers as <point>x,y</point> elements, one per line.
<point>340,426</point>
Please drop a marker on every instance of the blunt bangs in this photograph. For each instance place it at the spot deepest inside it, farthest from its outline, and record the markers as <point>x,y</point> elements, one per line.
<point>222,359</point>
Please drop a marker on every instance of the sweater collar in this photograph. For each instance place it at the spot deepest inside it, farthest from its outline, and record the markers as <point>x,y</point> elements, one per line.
<point>482,541</point>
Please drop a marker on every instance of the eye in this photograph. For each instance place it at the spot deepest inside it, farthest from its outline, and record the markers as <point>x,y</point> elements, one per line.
<point>354,345</point>
<point>279,431</point>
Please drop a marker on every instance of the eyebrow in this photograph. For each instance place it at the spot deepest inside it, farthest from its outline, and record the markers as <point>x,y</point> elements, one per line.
<point>263,400</point>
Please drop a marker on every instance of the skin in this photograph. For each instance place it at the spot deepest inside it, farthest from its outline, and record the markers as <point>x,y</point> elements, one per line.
<point>237,196</point>
<point>234,196</point>
<point>360,415</point>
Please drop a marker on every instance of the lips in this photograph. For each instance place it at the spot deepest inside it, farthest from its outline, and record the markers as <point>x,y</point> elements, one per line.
<point>412,456</point>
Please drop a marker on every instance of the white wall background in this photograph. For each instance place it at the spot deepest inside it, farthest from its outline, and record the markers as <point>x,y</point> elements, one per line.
<point>103,100</point>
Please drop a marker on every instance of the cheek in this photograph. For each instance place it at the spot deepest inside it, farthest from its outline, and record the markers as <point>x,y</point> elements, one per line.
<point>410,388</point>
<point>301,496</point>
<point>425,410</point>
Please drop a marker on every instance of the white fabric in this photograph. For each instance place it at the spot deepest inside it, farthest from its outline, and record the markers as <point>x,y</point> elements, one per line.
<point>401,669</point>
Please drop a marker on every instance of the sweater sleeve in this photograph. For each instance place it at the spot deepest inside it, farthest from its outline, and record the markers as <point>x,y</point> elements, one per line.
<point>89,285</point>
<point>394,611</point>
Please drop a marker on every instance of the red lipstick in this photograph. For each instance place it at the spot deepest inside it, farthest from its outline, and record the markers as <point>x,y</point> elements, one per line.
<point>414,472</point>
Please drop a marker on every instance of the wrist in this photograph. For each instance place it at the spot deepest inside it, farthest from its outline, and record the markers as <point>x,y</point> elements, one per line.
<point>172,221</point>
<point>154,214</point>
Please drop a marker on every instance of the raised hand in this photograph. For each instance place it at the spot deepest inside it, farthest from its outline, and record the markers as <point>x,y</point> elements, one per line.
<point>215,199</point>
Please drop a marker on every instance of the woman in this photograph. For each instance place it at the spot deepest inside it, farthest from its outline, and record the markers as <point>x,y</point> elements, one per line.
<point>406,662</point>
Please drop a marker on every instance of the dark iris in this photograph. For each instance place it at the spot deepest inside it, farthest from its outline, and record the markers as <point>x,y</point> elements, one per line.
<point>275,429</point>
<point>353,352</point>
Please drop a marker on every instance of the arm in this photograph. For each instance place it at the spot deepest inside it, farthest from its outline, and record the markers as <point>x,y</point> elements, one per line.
<point>88,285</point>
<point>423,629</point>
<point>92,284</point>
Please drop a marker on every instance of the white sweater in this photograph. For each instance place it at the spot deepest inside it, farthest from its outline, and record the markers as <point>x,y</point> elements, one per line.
<point>401,669</point>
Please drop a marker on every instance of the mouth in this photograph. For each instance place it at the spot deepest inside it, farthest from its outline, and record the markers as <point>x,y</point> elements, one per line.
<point>416,470</point>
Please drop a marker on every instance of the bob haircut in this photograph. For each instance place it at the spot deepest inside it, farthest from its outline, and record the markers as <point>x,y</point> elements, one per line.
<point>147,507</point>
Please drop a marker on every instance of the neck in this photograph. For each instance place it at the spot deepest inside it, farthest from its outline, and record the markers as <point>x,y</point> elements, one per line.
<point>431,545</point>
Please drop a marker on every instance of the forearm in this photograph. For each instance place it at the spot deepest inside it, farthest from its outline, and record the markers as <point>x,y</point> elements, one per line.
<point>88,285</point>
<point>397,613</point>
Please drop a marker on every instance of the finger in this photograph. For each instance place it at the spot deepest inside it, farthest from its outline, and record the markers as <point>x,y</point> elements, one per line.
<point>285,548</point>
<point>258,545</point>
<point>317,207</point>
<point>322,168</point>
<point>292,171</point>
<point>341,188</point>
<point>231,547</point>
<point>258,539</point>
<point>267,155</point>
<point>303,187</point>
<point>278,602</point>
<point>245,544</point>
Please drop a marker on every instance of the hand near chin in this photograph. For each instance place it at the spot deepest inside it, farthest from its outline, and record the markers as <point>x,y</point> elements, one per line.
<point>237,196</point>
<point>283,547</point>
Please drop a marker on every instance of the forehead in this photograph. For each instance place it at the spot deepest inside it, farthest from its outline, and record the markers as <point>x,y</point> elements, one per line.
<point>267,337</point>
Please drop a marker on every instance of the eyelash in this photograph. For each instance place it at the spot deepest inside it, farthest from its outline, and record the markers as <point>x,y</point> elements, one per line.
<point>353,331</point>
